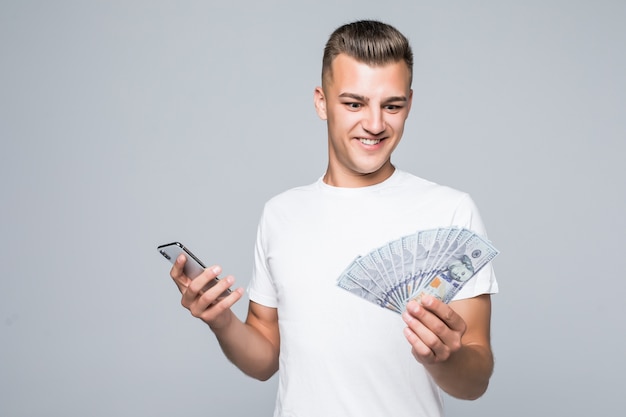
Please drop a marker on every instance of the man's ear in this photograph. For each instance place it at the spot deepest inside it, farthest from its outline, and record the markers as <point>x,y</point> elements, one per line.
<point>319,99</point>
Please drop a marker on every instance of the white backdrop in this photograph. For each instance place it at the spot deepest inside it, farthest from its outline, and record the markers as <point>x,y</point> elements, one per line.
<point>125,125</point>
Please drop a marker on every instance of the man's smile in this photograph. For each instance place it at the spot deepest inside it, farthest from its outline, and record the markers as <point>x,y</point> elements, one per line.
<point>366,141</point>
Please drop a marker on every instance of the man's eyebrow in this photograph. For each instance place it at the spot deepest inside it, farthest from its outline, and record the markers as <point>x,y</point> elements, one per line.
<point>359,97</point>
<point>354,96</point>
<point>395,98</point>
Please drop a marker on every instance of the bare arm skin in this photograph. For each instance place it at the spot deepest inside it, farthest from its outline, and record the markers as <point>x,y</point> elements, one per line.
<point>253,345</point>
<point>453,343</point>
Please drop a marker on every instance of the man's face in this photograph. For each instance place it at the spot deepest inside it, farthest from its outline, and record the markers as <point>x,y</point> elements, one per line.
<point>365,108</point>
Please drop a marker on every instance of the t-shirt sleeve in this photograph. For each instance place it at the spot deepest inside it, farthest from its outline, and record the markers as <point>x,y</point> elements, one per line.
<point>261,288</point>
<point>484,282</point>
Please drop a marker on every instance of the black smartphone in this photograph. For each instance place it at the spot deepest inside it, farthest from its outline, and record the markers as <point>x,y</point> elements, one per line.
<point>193,267</point>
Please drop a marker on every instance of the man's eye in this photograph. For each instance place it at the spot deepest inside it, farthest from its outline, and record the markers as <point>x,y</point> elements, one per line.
<point>354,105</point>
<point>393,107</point>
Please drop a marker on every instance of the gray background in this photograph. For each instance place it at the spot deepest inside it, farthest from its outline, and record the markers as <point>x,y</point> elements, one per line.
<point>125,125</point>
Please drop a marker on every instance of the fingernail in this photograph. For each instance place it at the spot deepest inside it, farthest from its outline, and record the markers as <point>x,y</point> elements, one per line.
<point>230,279</point>
<point>415,308</point>
<point>407,317</point>
<point>216,269</point>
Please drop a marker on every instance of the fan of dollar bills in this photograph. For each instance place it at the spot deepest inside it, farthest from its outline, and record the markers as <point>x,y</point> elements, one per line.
<point>436,262</point>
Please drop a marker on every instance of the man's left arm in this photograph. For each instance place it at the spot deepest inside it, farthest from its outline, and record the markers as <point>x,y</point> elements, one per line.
<point>453,342</point>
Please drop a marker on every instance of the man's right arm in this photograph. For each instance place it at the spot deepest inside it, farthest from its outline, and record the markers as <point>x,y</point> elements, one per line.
<point>253,346</point>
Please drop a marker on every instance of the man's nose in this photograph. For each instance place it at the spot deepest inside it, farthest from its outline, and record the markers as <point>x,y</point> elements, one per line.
<point>374,122</point>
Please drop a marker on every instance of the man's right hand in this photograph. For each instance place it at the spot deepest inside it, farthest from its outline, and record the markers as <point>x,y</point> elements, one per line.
<point>252,346</point>
<point>207,305</point>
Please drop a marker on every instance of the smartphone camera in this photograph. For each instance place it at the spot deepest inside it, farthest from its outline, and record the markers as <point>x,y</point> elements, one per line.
<point>166,255</point>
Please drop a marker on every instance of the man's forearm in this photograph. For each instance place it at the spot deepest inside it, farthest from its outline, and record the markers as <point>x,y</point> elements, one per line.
<point>466,374</point>
<point>247,348</point>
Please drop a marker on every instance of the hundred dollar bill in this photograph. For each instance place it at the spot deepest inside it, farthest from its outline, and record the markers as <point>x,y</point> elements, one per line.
<point>435,261</point>
<point>347,283</point>
<point>397,260</point>
<point>438,244</point>
<point>450,248</point>
<point>446,281</point>
<point>366,269</point>
<point>423,248</point>
<point>381,264</point>
<point>408,244</point>
<point>355,273</point>
<point>386,257</point>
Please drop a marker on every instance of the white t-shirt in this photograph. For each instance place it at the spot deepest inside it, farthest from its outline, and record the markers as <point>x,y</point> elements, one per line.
<point>341,355</point>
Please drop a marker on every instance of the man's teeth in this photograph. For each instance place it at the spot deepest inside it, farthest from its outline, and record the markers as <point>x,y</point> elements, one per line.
<point>369,141</point>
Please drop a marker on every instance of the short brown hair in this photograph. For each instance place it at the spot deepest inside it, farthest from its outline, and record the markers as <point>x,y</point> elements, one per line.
<point>368,41</point>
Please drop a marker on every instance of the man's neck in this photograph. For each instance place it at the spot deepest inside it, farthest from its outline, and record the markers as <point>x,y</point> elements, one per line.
<point>357,180</point>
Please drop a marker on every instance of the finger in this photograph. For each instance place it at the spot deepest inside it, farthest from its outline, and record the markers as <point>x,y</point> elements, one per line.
<point>425,327</point>
<point>443,311</point>
<point>195,289</point>
<point>437,325</point>
<point>222,305</point>
<point>420,350</point>
<point>446,324</point>
<point>435,315</point>
<point>216,289</point>
<point>206,279</point>
<point>212,302</point>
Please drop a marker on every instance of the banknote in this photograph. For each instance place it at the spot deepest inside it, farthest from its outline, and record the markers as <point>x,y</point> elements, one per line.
<point>437,262</point>
<point>364,289</point>
<point>370,270</point>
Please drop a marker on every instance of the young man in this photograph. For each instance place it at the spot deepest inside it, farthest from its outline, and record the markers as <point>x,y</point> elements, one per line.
<point>338,355</point>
